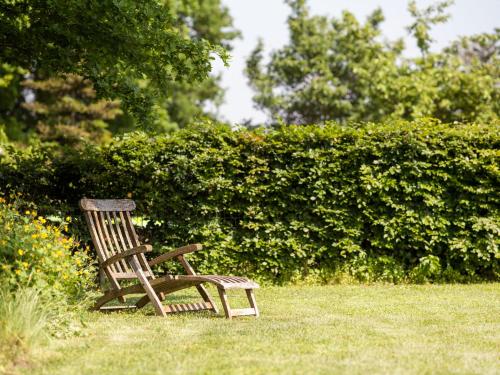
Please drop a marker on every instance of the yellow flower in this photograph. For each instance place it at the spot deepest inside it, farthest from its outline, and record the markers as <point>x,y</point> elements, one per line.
<point>42,219</point>
<point>43,235</point>
<point>65,228</point>
<point>18,272</point>
<point>33,213</point>
<point>2,200</point>
<point>34,236</point>
<point>27,212</point>
<point>68,219</point>
<point>20,251</point>
<point>25,264</point>
<point>129,195</point>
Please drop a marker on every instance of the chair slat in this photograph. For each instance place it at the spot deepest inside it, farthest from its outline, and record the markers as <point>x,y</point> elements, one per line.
<point>100,232</point>
<point>135,241</point>
<point>95,237</point>
<point>108,240</point>
<point>116,245</point>
<point>125,230</point>
<point>100,250</point>
<point>118,229</point>
<point>113,232</point>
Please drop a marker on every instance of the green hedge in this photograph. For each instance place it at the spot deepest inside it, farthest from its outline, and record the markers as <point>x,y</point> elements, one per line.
<point>377,201</point>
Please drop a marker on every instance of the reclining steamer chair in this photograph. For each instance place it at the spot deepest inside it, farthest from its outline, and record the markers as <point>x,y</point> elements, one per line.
<point>121,257</point>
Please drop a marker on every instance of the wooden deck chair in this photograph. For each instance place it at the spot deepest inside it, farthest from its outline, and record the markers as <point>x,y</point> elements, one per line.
<point>121,257</point>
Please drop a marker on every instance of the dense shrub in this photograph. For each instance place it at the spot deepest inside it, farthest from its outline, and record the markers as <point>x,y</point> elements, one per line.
<point>381,201</point>
<point>36,253</point>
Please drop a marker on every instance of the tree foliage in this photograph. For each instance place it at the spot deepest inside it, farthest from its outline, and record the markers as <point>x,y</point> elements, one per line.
<point>424,19</point>
<point>115,44</point>
<point>159,69</point>
<point>67,111</point>
<point>211,21</point>
<point>339,69</point>
<point>12,115</point>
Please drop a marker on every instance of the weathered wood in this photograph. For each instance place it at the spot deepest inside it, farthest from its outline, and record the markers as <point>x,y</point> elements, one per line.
<point>252,301</point>
<point>121,237</point>
<point>201,289</point>
<point>225,303</point>
<point>107,204</point>
<point>101,255</point>
<point>124,254</point>
<point>121,256</point>
<point>128,275</point>
<point>128,243</point>
<point>135,241</point>
<point>181,307</point>
<point>116,293</point>
<point>116,244</point>
<point>134,263</point>
<point>106,239</point>
<point>164,287</point>
<point>175,253</point>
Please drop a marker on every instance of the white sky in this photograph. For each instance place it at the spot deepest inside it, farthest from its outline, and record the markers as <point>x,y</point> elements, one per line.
<point>266,19</point>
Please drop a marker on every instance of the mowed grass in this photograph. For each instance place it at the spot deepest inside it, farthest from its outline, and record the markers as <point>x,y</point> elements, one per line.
<point>375,329</point>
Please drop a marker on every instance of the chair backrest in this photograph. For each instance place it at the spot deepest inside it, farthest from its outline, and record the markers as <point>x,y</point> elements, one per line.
<point>112,231</point>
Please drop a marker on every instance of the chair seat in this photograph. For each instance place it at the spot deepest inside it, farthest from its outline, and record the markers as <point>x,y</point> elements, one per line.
<point>224,282</point>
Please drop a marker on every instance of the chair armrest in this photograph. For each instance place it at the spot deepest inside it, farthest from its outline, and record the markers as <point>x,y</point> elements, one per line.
<point>127,253</point>
<point>175,253</point>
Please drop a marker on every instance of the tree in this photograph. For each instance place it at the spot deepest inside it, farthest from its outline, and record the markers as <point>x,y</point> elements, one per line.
<point>338,69</point>
<point>423,21</point>
<point>67,111</point>
<point>483,48</point>
<point>202,19</point>
<point>12,116</point>
<point>115,44</point>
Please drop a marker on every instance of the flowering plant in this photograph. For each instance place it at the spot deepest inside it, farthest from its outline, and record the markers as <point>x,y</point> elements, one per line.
<point>35,251</point>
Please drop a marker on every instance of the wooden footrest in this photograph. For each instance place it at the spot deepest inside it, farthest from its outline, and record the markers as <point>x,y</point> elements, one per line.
<point>180,307</point>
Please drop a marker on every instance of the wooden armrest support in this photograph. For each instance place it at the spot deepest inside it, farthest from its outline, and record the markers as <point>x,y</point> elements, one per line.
<point>175,253</point>
<point>127,253</point>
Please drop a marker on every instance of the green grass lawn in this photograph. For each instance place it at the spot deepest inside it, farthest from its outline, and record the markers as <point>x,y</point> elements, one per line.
<point>302,330</point>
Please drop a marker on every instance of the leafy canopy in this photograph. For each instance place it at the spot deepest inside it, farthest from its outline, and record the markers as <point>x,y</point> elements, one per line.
<point>67,111</point>
<point>113,43</point>
<point>340,69</point>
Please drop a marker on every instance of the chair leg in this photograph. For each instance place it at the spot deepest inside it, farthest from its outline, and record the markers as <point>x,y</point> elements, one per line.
<point>251,300</point>
<point>153,297</point>
<point>230,313</point>
<point>225,303</point>
<point>207,298</point>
